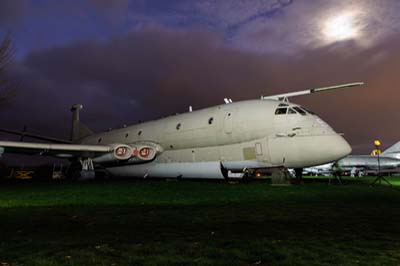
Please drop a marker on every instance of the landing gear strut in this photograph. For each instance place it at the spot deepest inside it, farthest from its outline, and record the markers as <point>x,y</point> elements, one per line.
<point>299,175</point>
<point>87,171</point>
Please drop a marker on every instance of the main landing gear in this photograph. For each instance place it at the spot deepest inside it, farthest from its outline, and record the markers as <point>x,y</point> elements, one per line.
<point>81,170</point>
<point>298,175</point>
<point>87,171</point>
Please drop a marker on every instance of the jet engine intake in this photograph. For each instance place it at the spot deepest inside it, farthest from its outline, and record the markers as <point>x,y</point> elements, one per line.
<point>121,152</point>
<point>144,152</point>
<point>130,154</point>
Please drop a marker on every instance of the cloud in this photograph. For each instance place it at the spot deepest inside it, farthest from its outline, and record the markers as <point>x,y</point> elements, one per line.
<point>301,24</point>
<point>262,26</point>
<point>232,14</point>
<point>106,5</point>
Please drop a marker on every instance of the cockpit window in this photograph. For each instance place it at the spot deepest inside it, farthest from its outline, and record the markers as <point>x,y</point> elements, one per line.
<point>283,105</point>
<point>281,111</point>
<point>291,111</point>
<point>308,111</point>
<point>299,110</point>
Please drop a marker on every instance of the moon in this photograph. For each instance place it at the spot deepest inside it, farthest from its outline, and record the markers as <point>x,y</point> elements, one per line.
<point>340,28</point>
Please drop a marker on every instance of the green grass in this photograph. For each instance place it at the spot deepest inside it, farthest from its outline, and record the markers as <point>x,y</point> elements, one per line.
<point>198,223</point>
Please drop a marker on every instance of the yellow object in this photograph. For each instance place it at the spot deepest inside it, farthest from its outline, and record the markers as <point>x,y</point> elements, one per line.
<point>21,174</point>
<point>376,152</point>
<point>377,143</point>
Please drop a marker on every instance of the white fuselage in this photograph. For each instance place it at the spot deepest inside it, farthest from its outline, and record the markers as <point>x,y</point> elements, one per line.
<point>249,134</point>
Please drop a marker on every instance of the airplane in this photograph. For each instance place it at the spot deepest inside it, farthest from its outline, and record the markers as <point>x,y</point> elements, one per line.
<point>325,169</point>
<point>231,140</point>
<point>389,159</point>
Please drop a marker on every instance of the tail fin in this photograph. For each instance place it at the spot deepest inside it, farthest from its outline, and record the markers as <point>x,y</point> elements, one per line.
<point>393,151</point>
<point>78,129</point>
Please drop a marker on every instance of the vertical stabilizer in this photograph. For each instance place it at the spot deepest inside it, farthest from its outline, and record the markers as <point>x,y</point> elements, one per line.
<point>393,151</point>
<point>78,129</point>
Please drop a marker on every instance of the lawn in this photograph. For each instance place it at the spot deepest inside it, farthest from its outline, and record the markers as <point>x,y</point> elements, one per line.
<point>129,222</point>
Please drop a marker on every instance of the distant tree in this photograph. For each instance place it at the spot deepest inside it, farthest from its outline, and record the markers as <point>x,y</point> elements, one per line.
<point>6,57</point>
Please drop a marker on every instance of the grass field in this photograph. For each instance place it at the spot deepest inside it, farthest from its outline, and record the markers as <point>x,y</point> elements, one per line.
<point>198,223</point>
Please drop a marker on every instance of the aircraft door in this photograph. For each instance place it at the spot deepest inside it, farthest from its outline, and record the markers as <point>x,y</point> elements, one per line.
<point>228,122</point>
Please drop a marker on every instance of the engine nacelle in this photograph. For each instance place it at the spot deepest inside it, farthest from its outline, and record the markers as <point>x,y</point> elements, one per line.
<point>130,154</point>
<point>144,152</point>
<point>121,152</point>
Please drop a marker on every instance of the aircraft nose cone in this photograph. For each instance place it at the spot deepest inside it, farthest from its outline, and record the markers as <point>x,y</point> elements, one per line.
<point>309,150</point>
<point>330,148</point>
<point>339,148</point>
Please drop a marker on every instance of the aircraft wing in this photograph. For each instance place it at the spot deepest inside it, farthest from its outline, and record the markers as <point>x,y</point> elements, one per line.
<point>139,152</point>
<point>284,96</point>
<point>56,150</point>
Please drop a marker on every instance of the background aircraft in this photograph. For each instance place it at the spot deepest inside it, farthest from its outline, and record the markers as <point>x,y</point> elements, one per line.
<point>325,169</point>
<point>388,160</point>
<point>225,141</point>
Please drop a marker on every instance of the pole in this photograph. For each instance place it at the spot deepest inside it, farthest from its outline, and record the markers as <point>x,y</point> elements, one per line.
<point>379,167</point>
<point>379,177</point>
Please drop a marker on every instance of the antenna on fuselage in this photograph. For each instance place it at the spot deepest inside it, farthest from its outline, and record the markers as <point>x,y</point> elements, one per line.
<point>228,101</point>
<point>285,96</point>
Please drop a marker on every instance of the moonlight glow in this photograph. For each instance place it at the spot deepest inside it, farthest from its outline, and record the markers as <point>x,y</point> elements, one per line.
<point>340,28</point>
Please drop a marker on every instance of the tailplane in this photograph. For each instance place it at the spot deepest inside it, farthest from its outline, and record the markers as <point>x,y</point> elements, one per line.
<point>78,129</point>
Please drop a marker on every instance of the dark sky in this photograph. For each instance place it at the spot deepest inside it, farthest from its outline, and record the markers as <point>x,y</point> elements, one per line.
<point>130,60</point>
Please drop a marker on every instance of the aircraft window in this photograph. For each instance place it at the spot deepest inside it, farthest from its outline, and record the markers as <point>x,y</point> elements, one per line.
<point>283,105</point>
<point>126,135</point>
<point>299,110</point>
<point>139,133</point>
<point>291,111</point>
<point>308,111</point>
<point>178,126</point>
<point>99,140</point>
<point>281,111</point>
<point>210,120</point>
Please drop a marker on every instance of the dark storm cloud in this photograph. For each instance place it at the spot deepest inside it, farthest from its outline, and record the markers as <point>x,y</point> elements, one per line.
<point>155,71</point>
